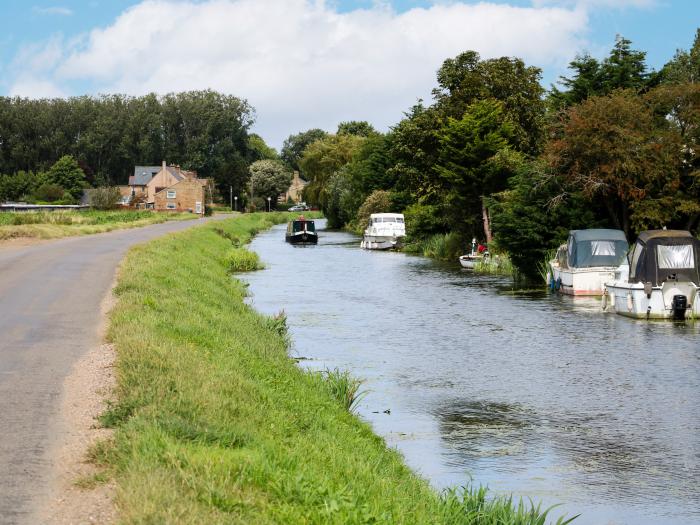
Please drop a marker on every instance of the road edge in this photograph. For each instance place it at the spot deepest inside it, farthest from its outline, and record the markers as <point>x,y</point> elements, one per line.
<point>85,394</point>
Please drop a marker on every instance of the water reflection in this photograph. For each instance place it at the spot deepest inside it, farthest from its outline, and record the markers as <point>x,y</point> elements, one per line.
<point>543,396</point>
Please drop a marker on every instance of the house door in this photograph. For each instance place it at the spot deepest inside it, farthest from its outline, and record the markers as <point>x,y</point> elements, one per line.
<point>198,207</point>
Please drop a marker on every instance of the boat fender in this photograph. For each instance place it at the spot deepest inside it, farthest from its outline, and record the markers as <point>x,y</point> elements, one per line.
<point>630,304</point>
<point>605,300</point>
<point>648,312</point>
<point>557,285</point>
<point>647,289</point>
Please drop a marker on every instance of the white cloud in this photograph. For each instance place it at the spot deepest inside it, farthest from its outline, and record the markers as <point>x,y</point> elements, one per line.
<point>301,63</point>
<point>56,10</point>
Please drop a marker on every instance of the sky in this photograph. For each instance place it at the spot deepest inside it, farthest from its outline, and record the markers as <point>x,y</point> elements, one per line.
<point>311,63</point>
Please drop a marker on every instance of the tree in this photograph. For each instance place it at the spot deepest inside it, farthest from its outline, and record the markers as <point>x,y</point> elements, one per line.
<point>609,148</point>
<point>259,150</point>
<point>685,65</point>
<point>470,165</point>
<point>527,221</point>
<point>269,178</point>
<point>623,68</point>
<point>67,174</point>
<point>19,185</point>
<point>293,148</point>
<point>322,159</point>
<point>377,202</point>
<point>466,79</point>
<point>361,128</point>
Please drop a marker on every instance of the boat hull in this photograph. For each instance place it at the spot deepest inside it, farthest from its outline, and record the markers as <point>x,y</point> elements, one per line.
<point>632,300</point>
<point>381,242</point>
<point>469,262</point>
<point>302,238</point>
<point>580,281</point>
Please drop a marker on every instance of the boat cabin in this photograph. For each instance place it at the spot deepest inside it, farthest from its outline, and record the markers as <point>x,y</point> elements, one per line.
<point>593,248</point>
<point>661,255</point>
<point>301,231</point>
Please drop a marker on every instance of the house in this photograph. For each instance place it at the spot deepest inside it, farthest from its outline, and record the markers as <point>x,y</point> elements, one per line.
<point>168,188</point>
<point>294,193</point>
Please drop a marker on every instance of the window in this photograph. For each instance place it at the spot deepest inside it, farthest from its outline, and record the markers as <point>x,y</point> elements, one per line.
<point>675,257</point>
<point>171,194</point>
<point>634,256</point>
<point>171,206</point>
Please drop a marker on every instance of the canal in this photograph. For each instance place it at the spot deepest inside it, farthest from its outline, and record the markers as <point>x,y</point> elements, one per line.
<point>540,396</point>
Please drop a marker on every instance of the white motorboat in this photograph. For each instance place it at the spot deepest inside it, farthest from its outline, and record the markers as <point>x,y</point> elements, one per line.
<point>385,231</point>
<point>587,261</point>
<point>662,280</point>
<point>470,260</point>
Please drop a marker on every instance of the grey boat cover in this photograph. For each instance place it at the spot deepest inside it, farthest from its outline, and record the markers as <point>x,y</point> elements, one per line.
<point>596,247</point>
<point>660,255</point>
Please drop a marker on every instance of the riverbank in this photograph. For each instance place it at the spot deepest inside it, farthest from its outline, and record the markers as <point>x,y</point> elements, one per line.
<point>215,422</point>
<point>28,226</point>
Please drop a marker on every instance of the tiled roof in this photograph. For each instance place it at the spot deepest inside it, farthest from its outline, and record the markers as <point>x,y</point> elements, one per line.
<point>143,175</point>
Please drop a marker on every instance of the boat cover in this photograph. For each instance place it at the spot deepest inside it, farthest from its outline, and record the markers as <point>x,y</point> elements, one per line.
<point>662,254</point>
<point>596,247</point>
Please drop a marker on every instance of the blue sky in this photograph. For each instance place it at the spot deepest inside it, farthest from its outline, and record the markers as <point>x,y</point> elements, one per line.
<point>305,63</point>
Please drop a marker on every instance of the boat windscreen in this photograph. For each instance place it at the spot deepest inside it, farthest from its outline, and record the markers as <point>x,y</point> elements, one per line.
<point>675,257</point>
<point>588,254</point>
<point>299,226</point>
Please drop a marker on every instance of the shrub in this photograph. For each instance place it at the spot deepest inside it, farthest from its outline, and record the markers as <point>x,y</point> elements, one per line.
<point>378,201</point>
<point>49,192</point>
<point>107,198</point>
<point>344,387</point>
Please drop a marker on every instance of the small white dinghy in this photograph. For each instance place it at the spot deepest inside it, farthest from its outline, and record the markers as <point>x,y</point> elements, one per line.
<point>662,280</point>
<point>385,231</point>
<point>470,260</point>
<point>587,261</point>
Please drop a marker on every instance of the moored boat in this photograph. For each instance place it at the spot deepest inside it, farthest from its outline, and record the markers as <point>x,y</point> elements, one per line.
<point>301,231</point>
<point>587,261</point>
<point>385,231</point>
<point>662,280</point>
<point>478,254</point>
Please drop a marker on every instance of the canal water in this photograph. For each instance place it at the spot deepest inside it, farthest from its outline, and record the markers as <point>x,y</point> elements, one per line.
<point>540,396</point>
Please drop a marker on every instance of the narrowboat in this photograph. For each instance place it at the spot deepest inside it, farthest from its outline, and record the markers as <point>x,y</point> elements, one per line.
<point>301,231</point>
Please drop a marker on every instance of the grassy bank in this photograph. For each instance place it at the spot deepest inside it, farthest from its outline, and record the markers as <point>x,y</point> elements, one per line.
<point>216,424</point>
<point>55,224</point>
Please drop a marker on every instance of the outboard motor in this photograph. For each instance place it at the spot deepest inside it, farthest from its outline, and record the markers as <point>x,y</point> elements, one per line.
<point>679,305</point>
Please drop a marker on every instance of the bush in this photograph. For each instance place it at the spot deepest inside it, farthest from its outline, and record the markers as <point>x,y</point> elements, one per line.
<point>379,201</point>
<point>424,220</point>
<point>49,192</point>
<point>104,198</point>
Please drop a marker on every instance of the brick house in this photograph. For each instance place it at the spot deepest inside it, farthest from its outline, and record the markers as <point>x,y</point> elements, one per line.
<point>154,188</point>
<point>295,189</point>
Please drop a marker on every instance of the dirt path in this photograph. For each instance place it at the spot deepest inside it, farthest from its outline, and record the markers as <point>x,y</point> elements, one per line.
<point>53,367</point>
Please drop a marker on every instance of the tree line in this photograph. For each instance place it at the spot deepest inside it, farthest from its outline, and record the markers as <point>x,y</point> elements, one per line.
<point>497,157</point>
<point>108,135</point>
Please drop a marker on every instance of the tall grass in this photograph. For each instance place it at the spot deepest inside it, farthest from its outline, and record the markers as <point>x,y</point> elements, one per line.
<point>344,388</point>
<point>214,421</point>
<point>499,264</point>
<point>442,246</point>
<point>54,224</point>
<point>543,268</point>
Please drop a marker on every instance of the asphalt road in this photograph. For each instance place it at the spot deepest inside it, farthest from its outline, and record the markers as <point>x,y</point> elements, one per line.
<point>50,297</point>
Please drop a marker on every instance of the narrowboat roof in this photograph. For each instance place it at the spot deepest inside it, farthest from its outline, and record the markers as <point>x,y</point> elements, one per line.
<point>598,234</point>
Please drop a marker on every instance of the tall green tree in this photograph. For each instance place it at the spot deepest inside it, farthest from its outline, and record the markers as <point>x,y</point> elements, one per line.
<point>466,79</point>
<point>361,128</point>
<point>268,179</point>
<point>470,165</point>
<point>294,146</point>
<point>67,174</point>
<point>322,159</point>
<point>684,67</point>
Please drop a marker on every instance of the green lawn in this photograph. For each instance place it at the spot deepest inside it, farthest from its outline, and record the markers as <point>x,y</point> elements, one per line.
<point>215,423</point>
<point>55,224</point>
